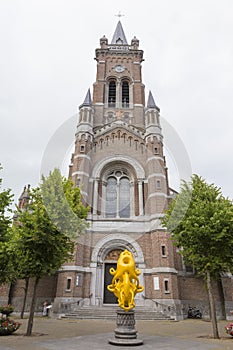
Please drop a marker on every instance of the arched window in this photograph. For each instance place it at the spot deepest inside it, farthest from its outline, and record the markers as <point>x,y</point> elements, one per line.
<point>111,197</point>
<point>124,198</point>
<point>112,93</point>
<point>125,94</point>
<point>118,195</point>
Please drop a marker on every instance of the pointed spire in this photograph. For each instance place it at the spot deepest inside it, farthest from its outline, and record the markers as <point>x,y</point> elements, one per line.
<point>24,198</point>
<point>119,37</point>
<point>25,193</point>
<point>87,101</point>
<point>151,102</point>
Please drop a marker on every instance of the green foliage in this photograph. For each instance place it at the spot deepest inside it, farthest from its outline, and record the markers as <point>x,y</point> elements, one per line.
<point>203,231</point>
<point>5,234</point>
<point>63,204</point>
<point>46,227</point>
<point>41,246</point>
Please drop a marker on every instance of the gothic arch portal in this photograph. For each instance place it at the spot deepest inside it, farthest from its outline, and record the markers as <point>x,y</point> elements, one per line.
<point>113,241</point>
<point>98,263</point>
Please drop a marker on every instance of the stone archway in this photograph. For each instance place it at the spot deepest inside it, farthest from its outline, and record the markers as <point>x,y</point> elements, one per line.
<point>135,175</point>
<point>105,252</point>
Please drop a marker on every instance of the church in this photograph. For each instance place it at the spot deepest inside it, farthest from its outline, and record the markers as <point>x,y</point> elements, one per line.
<point>119,164</point>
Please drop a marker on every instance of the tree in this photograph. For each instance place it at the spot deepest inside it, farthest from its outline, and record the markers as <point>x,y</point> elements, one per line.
<point>6,266</point>
<point>203,231</point>
<point>63,204</point>
<point>45,244</point>
<point>22,269</point>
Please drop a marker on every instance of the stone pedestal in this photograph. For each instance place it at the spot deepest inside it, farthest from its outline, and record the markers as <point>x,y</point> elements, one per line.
<point>125,332</point>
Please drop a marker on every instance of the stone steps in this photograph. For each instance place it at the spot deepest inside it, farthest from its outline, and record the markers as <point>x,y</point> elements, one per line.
<point>110,313</point>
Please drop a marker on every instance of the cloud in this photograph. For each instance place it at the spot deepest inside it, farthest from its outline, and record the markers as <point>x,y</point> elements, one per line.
<point>47,66</point>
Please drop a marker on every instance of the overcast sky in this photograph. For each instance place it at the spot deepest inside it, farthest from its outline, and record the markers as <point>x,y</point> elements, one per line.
<point>46,66</point>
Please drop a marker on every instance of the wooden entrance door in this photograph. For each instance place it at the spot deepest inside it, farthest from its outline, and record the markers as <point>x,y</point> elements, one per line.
<point>109,297</point>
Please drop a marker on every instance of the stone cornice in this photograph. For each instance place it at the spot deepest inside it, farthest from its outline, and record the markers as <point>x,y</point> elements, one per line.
<point>119,125</point>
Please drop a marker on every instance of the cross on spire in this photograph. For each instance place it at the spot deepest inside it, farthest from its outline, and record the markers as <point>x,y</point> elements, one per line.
<point>119,15</point>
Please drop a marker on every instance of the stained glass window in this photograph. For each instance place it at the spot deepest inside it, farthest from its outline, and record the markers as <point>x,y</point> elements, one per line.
<point>124,198</point>
<point>118,195</point>
<point>111,198</point>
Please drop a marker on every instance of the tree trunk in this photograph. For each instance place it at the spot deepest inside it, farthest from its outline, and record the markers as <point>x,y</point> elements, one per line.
<point>11,293</point>
<point>25,297</point>
<point>32,308</point>
<point>212,306</point>
<point>221,295</point>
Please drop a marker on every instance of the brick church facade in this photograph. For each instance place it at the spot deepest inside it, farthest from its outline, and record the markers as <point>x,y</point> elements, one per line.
<point>119,164</point>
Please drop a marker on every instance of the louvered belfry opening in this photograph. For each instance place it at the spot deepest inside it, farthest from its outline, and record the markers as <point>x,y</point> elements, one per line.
<point>125,94</point>
<point>112,93</point>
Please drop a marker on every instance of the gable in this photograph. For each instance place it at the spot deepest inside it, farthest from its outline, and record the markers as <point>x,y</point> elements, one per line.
<point>119,130</point>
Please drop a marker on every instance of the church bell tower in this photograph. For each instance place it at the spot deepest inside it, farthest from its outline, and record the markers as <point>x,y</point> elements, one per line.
<point>118,163</point>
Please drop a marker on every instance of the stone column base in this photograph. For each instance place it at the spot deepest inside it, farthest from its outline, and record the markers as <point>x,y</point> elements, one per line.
<point>125,332</point>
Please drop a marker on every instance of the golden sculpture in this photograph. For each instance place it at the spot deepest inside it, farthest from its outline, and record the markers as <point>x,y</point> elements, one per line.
<point>125,283</point>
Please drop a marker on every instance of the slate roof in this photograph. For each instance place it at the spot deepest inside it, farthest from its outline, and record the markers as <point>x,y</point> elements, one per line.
<point>151,102</point>
<point>119,37</point>
<point>87,101</point>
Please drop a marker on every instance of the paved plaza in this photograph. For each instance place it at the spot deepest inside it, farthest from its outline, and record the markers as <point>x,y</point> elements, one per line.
<point>54,334</point>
